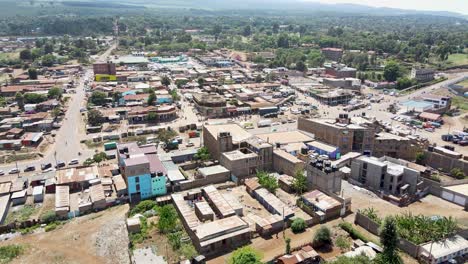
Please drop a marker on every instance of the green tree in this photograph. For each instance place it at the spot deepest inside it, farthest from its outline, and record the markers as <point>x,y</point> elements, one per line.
<point>33,98</point>
<point>167,219</point>
<point>166,136</point>
<point>322,236</point>
<point>25,54</point>
<point>247,31</point>
<point>175,95</point>
<point>457,173</point>
<point>151,97</point>
<point>56,112</point>
<point>299,183</point>
<point>202,154</point>
<point>267,181</point>
<point>165,80</point>
<point>19,98</point>
<point>420,157</point>
<point>201,82</point>
<point>55,93</point>
<point>32,73</point>
<point>245,255</point>
<point>98,98</point>
<point>152,117</point>
<point>300,66</point>
<point>298,225</point>
<point>392,71</point>
<point>99,157</point>
<point>389,241</point>
<point>258,78</point>
<point>48,60</point>
<point>288,245</point>
<point>95,117</point>
<point>48,48</point>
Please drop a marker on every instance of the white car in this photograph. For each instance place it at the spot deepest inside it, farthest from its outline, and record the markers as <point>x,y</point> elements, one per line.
<point>13,171</point>
<point>73,162</point>
<point>2,173</point>
<point>275,124</point>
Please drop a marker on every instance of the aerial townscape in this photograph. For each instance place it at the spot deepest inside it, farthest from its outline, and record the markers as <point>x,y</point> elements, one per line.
<point>240,132</point>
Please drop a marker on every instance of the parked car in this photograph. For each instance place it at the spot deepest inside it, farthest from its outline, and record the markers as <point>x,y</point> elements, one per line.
<point>73,162</point>
<point>29,168</point>
<point>14,171</point>
<point>46,166</point>
<point>2,173</point>
<point>60,164</point>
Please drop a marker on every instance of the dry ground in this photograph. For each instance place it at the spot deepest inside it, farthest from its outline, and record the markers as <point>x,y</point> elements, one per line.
<point>96,238</point>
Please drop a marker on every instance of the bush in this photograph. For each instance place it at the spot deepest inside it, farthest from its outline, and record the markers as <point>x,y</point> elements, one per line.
<point>457,173</point>
<point>48,217</point>
<point>322,236</point>
<point>352,231</point>
<point>51,226</point>
<point>142,207</point>
<point>8,253</point>
<point>298,225</point>
<point>343,243</point>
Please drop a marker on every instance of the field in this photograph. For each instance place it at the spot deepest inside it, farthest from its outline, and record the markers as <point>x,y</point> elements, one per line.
<point>464,84</point>
<point>460,102</point>
<point>457,59</point>
<point>9,55</point>
<point>96,238</point>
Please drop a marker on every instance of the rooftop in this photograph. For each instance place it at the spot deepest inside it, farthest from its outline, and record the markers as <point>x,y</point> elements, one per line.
<point>238,155</point>
<point>70,175</point>
<point>238,133</point>
<point>285,137</point>
<point>274,202</point>
<point>207,171</point>
<point>221,229</point>
<point>447,246</point>
<point>218,201</point>
<point>321,200</point>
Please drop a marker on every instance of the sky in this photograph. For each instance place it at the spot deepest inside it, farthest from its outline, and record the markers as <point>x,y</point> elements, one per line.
<point>459,6</point>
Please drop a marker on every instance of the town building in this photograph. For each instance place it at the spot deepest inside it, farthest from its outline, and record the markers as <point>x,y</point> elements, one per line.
<point>105,68</point>
<point>338,70</point>
<point>422,75</point>
<point>320,204</point>
<point>322,175</point>
<point>387,175</point>
<point>333,97</point>
<point>210,105</point>
<point>142,170</point>
<point>285,163</point>
<point>445,250</point>
<point>333,54</point>
<point>395,146</point>
<point>348,136</point>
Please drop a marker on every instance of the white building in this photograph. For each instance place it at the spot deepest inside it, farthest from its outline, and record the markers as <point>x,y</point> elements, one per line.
<point>444,250</point>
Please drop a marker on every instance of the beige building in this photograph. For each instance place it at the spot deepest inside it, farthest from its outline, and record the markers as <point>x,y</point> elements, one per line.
<point>395,146</point>
<point>285,163</point>
<point>348,136</point>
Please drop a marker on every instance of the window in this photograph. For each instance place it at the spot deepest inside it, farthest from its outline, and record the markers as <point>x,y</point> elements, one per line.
<point>137,179</point>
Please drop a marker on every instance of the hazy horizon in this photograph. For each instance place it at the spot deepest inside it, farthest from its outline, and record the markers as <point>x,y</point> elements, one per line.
<point>458,6</point>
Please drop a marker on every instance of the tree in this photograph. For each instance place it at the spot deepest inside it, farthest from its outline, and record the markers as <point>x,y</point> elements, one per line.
<point>247,31</point>
<point>167,219</point>
<point>166,136</point>
<point>300,66</point>
<point>404,82</point>
<point>258,78</point>
<point>32,73</point>
<point>175,95</point>
<point>267,181</point>
<point>95,117</point>
<point>283,41</point>
<point>48,60</point>
<point>56,112</point>
<point>98,98</point>
<point>245,255</point>
<point>151,97</point>
<point>392,71</point>
<point>25,54</point>
<point>55,93</point>
<point>420,157</point>
<point>202,154</point>
<point>457,173</point>
<point>322,236</point>
<point>299,183</point>
<point>34,98</point>
<point>298,225</point>
<point>152,117</point>
<point>201,82</point>
<point>19,98</point>
<point>275,28</point>
<point>343,243</point>
<point>99,157</point>
<point>165,81</point>
<point>389,241</point>
<point>288,245</point>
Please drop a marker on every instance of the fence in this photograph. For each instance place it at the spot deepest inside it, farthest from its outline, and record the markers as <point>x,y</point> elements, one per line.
<point>373,227</point>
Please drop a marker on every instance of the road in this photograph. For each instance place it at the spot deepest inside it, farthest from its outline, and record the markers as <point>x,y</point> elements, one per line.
<point>67,139</point>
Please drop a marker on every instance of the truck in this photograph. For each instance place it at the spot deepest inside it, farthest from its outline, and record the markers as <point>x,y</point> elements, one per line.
<point>264,123</point>
<point>110,145</point>
<point>267,110</point>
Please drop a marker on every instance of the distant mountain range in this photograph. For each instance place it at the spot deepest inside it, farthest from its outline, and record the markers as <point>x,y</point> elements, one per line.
<point>289,5</point>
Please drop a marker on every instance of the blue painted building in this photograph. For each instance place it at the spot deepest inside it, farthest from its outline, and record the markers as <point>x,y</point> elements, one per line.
<point>144,173</point>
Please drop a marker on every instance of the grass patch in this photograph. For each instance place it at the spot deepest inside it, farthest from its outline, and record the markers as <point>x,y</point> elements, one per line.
<point>91,144</point>
<point>10,252</point>
<point>460,102</point>
<point>355,234</point>
<point>457,59</point>
<point>52,226</point>
<point>22,214</point>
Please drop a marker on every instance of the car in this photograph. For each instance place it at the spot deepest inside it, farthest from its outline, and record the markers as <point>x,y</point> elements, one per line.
<point>190,144</point>
<point>46,166</point>
<point>2,173</point>
<point>60,164</point>
<point>73,162</point>
<point>29,168</point>
<point>275,124</point>
<point>13,171</point>
<point>48,170</point>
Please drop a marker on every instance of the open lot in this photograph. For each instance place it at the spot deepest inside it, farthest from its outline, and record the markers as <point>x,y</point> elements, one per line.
<point>96,238</point>
<point>429,205</point>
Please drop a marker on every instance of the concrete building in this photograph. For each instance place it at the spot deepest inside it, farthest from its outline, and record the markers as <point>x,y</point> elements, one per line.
<point>333,54</point>
<point>285,163</point>
<point>217,201</point>
<point>422,75</point>
<point>322,176</point>
<point>385,175</point>
<point>444,250</point>
<point>210,105</point>
<point>395,146</point>
<point>345,83</point>
<point>342,133</point>
<point>142,170</point>
<point>223,138</point>
<point>104,68</point>
<point>272,203</point>
<point>337,70</point>
<point>334,97</point>
<point>322,205</point>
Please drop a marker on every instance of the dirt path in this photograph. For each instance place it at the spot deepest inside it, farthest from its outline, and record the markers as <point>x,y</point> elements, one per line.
<point>96,238</point>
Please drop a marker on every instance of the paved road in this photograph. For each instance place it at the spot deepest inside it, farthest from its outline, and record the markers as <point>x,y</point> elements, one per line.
<point>67,139</point>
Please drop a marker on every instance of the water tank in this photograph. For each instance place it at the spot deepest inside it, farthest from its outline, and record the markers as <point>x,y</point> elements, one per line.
<point>304,150</point>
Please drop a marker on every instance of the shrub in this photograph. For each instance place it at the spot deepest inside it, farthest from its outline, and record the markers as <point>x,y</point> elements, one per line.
<point>352,231</point>
<point>298,225</point>
<point>343,243</point>
<point>8,253</point>
<point>245,255</point>
<point>48,217</point>
<point>322,236</point>
<point>143,206</point>
<point>51,226</point>
<point>371,213</point>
